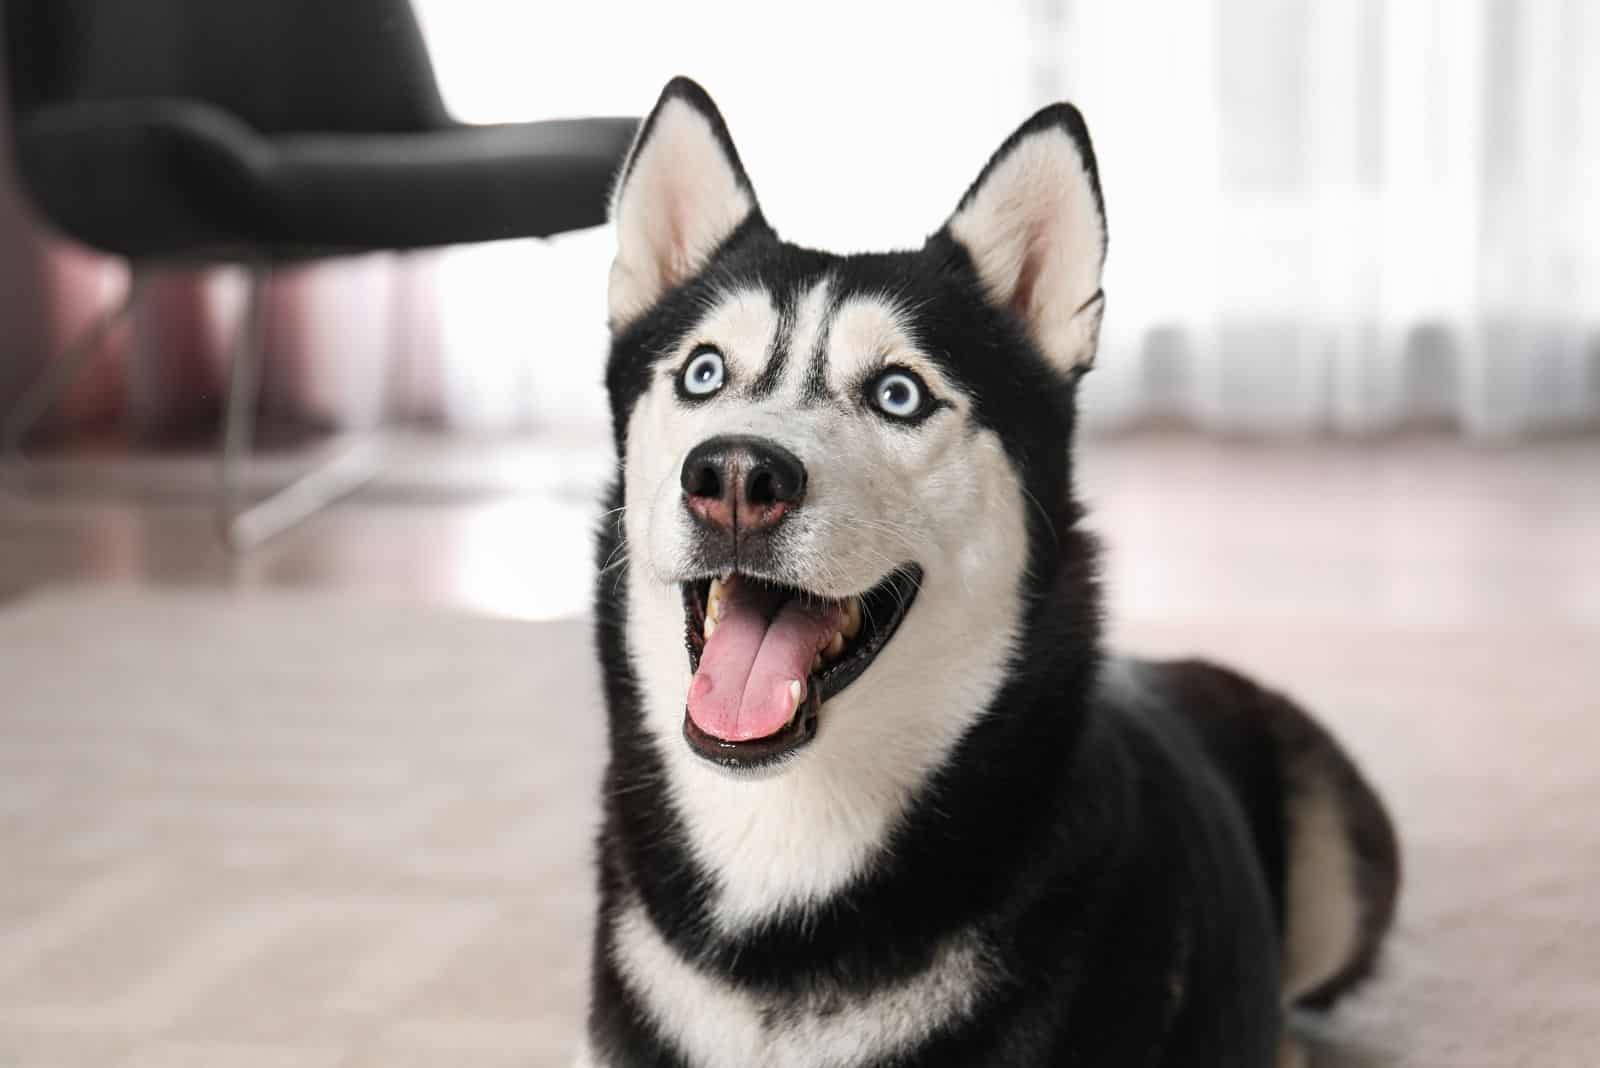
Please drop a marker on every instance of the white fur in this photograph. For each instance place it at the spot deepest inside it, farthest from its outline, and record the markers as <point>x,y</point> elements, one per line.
<point>871,332</point>
<point>1036,236</point>
<point>719,1025</point>
<point>740,325</point>
<point>1324,919</point>
<point>943,495</point>
<point>679,199</point>
<point>809,317</point>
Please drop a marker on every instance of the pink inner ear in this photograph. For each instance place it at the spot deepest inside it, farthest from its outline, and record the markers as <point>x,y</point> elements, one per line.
<point>675,264</point>
<point>1036,237</point>
<point>1030,272</point>
<point>682,197</point>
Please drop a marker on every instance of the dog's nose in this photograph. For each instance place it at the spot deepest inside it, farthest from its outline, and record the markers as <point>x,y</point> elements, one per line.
<point>742,483</point>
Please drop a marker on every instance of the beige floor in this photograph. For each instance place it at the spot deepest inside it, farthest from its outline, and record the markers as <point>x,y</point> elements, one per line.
<point>241,845</point>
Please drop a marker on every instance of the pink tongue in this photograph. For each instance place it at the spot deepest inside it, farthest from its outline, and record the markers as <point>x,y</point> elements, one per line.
<point>741,690</point>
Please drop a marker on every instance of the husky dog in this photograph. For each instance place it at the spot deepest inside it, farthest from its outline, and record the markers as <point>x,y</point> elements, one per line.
<point>876,794</point>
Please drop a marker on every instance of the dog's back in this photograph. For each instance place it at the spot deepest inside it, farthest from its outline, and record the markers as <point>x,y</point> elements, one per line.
<point>1327,851</point>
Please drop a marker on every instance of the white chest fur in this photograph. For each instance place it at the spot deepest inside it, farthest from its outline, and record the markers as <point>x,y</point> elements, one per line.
<point>718,1025</point>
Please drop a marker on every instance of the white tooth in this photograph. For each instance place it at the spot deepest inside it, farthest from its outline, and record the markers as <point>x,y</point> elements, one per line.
<point>797,690</point>
<point>852,617</point>
<point>710,627</point>
<point>835,645</point>
<point>714,600</point>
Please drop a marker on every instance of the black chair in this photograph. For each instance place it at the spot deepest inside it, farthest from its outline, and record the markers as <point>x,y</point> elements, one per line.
<point>178,133</point>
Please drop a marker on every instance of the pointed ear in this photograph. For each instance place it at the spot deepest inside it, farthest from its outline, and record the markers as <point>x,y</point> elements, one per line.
<point>681,193</point>
<point>1034,225</point>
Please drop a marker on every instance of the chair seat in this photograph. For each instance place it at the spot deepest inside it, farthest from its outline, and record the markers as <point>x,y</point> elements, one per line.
<point>180,180</point>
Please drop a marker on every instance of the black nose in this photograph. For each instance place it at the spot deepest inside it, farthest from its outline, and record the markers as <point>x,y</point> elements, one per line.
<point>742,483</point>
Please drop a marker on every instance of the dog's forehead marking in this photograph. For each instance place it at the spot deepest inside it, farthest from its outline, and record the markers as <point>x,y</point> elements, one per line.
<point>866,331</point>
<point>869,331</point>
<point>812,328</point>
<point>814,384</point>
<point>777,353</point>
<point>743,324</point>
<point>803,316</point>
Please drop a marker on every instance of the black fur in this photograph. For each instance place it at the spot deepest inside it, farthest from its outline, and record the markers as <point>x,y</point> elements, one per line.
<point>1114,831</point>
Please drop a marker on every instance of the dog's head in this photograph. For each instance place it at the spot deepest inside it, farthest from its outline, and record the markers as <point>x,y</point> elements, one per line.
<point>846,478</point>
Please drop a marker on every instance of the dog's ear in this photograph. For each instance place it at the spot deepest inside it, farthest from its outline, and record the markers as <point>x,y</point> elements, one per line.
<point>681,193</point>
<point>1034,226</point>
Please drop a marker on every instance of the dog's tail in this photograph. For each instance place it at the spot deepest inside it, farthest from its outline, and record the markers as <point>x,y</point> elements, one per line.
<point>1327,845</point>
<point>1342,871</point>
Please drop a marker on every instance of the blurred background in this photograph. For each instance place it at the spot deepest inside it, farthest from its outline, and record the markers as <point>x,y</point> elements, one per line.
<point>1348,223</point>
<point>1342,427</point>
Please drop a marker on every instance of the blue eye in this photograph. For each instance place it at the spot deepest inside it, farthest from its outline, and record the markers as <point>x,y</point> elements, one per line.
<point>899,395</point>
<point>704,373</point>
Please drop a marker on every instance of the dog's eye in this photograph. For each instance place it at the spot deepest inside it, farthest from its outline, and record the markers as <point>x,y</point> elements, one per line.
<point>704,374</point>
<point>899,394</point>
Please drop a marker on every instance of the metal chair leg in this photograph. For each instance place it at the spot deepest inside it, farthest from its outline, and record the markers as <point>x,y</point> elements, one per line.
<point>50,385</point>
<point>245,526</point>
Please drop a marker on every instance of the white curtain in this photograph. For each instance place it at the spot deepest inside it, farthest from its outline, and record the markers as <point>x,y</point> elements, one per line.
<point>1353,215</point>
<point>1347,215</point>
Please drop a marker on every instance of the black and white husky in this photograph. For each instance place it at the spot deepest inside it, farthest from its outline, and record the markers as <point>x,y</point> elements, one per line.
<point>876,794</point>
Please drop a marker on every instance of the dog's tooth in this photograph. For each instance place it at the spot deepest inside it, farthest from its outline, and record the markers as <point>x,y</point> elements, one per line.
<point>816,662</point>
<point>797,690</point>
<point>711,625</point>
<point>835,645</point>
<point>714,600</point>
<point>852,617</point>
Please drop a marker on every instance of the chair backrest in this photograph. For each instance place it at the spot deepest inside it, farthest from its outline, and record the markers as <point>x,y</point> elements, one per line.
<point>278,65</point>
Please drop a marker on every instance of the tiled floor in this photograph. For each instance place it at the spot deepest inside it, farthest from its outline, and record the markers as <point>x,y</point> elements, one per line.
<point>311,830</point>
<point>502,527</point>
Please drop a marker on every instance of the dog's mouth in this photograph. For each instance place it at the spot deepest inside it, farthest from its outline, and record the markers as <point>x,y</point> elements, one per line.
<point>766,657</point>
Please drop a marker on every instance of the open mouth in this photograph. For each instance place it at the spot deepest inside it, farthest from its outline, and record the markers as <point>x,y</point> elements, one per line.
<point>767,657</point>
